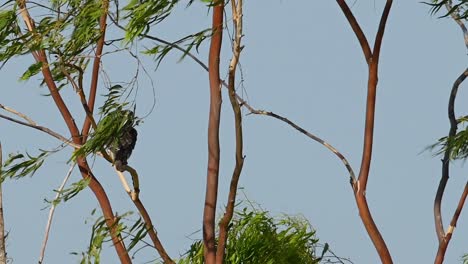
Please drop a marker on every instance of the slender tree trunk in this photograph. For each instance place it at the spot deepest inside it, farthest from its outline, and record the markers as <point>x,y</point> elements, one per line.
<point>209,213</point>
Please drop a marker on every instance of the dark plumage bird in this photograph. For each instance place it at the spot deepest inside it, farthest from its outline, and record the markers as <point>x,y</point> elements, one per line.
<point>125,146</point>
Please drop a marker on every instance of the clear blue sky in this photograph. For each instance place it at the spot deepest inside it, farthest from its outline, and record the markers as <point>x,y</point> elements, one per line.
<point>301,60</point>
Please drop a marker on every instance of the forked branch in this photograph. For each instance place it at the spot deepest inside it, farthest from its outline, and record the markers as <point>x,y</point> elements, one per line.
<point>372,59</point>
<point>85,170</point>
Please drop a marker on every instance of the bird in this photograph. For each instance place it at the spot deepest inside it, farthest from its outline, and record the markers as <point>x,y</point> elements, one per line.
<point>125,145</point>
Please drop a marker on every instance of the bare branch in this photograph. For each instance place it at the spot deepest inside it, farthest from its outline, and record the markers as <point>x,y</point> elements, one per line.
<point>359,187</point>
<point>252,110</point>
<point>134,196</point>
<point>380,32</point>
<point>446,159</point>
<point>43,129</point>
<point>237,15</point>
<point>444,243</point>
<point>357,30</point>
<point>310,135</point>
<point>13,111</point>
<point>3,254</point>
<point>96,66</point>
<point>51,213</point>
<point>209,213</point>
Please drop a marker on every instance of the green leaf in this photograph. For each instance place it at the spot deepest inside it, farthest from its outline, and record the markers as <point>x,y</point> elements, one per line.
<point>18,166</point>
<point>31,71</point>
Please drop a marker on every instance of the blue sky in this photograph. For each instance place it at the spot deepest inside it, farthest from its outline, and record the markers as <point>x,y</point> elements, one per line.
<point>301,60</point>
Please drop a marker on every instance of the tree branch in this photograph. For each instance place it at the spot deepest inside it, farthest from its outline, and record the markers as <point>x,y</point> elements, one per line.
<point>359,187</point>
<point>237,15</point>
<point>85,170</point>
<point>134,196</point>
<point>446,159</point>
<point>357,30</point>
<point>444,243</point>
<point>51,214</point>
<point>43,129</point>
<point>252,110</point>
<point>96,66</point>
<point>209,213</point>
<point>3,254</point>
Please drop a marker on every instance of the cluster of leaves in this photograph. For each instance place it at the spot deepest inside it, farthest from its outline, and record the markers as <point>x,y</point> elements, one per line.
<point>19,165</point>
<point>256,237</point>
<point>142,15</point>
<point>460,7</point>
<point>68,29</point>
<point>100,235</point>
<point>116,118</point>
<point>457,145</point>
<point>70,192</point>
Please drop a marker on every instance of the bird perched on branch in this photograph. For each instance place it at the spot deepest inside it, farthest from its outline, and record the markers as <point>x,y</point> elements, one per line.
<point>126,144</point>
<point>123,142</point>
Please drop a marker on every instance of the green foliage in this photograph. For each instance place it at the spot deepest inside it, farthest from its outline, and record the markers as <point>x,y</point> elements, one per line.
<point>12,43</point>
<point>138,232</point>
<point>194,40</point>
<point>72,191</point>
<point>457,145</point>
<point>256,237</point>
<point>100,235</point>
<point>34,69</point>
<point>465,259</point>
<point>144,14</point>
<point>19,165</point>
<point>112,125</point>
<point>459,7</point>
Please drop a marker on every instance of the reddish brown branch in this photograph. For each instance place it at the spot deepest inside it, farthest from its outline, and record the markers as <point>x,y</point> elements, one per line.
<point>96,66</point>
<point>209,213</point>
<point>224,223</point>
<point>357,29</point>
<point>380,32</point>
<point>152,231</point>
<point>86,173</point>
<point>372,58</point>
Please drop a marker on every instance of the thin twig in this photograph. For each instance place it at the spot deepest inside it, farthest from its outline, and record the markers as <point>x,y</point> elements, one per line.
<point>252,110</point>
<point>13,111</point>
<point>51,213</point>
<point>43,129</point>
<point>3,254</point>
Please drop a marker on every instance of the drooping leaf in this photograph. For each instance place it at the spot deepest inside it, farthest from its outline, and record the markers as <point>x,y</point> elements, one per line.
<point>18,165</point>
